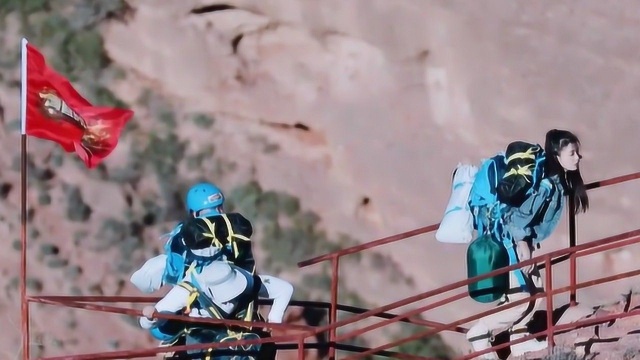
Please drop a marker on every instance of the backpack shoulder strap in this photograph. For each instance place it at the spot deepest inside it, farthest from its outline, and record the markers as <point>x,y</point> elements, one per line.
<point>513,259</point>
<point>197,294</point>
<point>231,233</point>
<point>212,226</point>
<point>190,287</point>
<point>483,189</point>
<point>538,170</point>
<point>547,184</point>
<point>483,192</point>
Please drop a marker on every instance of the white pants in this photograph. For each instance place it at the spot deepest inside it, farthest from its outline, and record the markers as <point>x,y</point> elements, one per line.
<point>515,319</point>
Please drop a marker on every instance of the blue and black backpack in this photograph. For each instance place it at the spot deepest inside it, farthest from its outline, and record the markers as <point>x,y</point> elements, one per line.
<point>509,178</point>
<point>505,180</point>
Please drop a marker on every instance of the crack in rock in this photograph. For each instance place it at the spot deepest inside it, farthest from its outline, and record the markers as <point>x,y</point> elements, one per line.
<point>235,42</point>
<point>296,126</point>
<point>211,8</point>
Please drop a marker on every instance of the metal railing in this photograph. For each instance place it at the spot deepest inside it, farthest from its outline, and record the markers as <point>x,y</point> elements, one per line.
<point>297,340</point>
<point>334,257</point>
<point>285,342</point>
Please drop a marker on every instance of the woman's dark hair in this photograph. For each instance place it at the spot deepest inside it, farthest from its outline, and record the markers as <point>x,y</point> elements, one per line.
<point>572,182</point>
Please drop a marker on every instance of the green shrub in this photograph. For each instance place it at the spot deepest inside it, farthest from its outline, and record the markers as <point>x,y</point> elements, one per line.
<point>203,121</point>
<point>73,272</point>
<point>57,263</point>
<point>44,198</point>
<point>77,209</point>
<point>34,284</point>
<point>432,346</point>
<point>49,249</point>
<point>111,233</point>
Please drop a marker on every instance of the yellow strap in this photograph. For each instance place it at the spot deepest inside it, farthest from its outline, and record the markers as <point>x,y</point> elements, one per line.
<point>248,317</point>
<point>187,286</point>
<point>521,170</point>
<point>242,237</point>
<point>230,235</point>
<point>529,154</point>
<point>212,234</point>
<point>215,312</point>
<point>230,230</point>
<point>193,292</point>
<point>191,269</point>
<point>235,336</point>
<point>192,298</point>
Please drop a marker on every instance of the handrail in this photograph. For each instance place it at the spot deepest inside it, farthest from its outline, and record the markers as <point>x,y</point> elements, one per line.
<point>549,293</point>
<point>77,302</point>
<point>433,227</point>
<point>85,302</point>
<point>606,244</point>
<point>185,318</point>
<point>620,240</point>
<point>144,353</point>
<point>369,245</point>
<point>613,181</point>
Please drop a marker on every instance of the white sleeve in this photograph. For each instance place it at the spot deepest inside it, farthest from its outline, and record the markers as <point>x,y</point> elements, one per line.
<point>149,277</point>
<point>278,290</point>
<point>174,301</point>
<point>146,323</point>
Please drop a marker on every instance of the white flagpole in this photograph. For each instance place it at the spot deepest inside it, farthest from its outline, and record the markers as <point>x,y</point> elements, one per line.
<point>23,88</point>
<point>23,201</point>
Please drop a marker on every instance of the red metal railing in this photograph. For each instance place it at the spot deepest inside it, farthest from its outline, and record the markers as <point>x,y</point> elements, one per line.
<point>572,224</point>
<point>617,241</point>
<point>334,257</point>
<point>304,332</point>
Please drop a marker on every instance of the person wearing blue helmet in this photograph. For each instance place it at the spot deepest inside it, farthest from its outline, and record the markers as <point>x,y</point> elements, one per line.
<point>208,234</point>
<point>228,239</point>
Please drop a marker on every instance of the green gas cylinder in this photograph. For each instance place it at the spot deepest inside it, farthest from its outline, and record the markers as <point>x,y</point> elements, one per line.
<point>484,255</point>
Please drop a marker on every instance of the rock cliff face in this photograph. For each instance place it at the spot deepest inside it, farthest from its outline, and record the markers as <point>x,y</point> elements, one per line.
<point>327,123</point>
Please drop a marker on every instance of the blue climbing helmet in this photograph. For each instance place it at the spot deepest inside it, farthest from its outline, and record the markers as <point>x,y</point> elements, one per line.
<point>204,196</point>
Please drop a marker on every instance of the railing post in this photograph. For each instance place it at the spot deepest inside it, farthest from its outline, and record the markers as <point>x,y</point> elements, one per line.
<point>572,257</point>
<point>301,348</point>
<point>549,292</point>
<point>333,311</point>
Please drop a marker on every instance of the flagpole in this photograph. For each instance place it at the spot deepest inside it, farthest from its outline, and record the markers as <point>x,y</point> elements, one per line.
<point>23,201</point>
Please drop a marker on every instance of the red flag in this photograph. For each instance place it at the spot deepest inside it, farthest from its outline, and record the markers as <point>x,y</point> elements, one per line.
<point>57,112</point>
